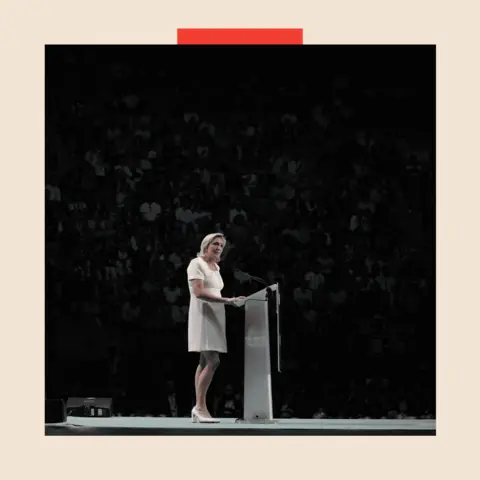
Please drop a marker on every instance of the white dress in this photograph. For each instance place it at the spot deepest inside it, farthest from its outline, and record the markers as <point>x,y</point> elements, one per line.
<point>206,320</point>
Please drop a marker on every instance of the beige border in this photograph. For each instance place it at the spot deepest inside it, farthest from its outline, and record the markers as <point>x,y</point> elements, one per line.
<point>25,27</point>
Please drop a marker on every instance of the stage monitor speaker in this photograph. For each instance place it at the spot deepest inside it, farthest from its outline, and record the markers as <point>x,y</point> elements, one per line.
<point>89,407</point>
<point>55,411</point>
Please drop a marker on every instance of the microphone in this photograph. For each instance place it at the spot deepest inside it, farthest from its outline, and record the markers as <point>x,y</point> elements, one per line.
<point>251,277</point>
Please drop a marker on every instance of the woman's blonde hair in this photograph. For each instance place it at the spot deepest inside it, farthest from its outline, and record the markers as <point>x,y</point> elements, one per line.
<point>207,241</point>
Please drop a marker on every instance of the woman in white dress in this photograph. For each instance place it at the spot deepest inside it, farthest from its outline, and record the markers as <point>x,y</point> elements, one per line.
<point>206,318</point>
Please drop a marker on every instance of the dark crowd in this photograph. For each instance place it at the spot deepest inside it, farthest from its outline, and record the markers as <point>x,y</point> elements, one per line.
<point>318,166</point>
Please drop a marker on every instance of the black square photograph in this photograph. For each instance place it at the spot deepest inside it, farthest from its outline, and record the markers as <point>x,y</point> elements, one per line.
<point>240,240</point>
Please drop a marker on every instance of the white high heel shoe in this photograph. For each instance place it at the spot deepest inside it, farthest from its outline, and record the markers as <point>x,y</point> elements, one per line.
<point>197,417</point>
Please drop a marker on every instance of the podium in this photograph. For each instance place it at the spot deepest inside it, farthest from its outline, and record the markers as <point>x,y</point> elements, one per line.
<point>257,375</point>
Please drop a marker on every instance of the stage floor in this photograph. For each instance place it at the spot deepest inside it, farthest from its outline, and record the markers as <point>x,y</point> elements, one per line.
<point>227,426</point>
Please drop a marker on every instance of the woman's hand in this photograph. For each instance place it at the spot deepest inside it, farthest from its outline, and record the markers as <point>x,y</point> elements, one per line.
<point>233,301</point>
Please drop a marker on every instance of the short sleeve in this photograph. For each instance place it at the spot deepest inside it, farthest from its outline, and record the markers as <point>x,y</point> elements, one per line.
<point>194,271</point>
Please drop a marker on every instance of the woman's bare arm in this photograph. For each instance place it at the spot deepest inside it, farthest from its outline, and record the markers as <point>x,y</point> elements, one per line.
<point>201,294</point>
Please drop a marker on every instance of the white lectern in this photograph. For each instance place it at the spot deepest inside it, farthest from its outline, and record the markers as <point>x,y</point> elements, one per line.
<point>257,380</point>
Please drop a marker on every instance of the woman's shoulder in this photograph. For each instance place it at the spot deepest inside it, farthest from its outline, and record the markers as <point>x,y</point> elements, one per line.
<point>195,262</point>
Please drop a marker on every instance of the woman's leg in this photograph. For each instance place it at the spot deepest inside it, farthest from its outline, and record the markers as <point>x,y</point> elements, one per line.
<point>209,362</point>
<point>201,366</point>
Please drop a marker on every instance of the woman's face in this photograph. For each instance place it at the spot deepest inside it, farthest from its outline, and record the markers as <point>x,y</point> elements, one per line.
<point>215,249</point>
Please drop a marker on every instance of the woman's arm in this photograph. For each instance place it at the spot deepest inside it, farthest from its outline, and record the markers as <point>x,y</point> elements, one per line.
<point>201,294</point>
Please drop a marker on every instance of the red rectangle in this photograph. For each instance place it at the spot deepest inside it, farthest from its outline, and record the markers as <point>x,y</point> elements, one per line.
<point>240,36</point>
